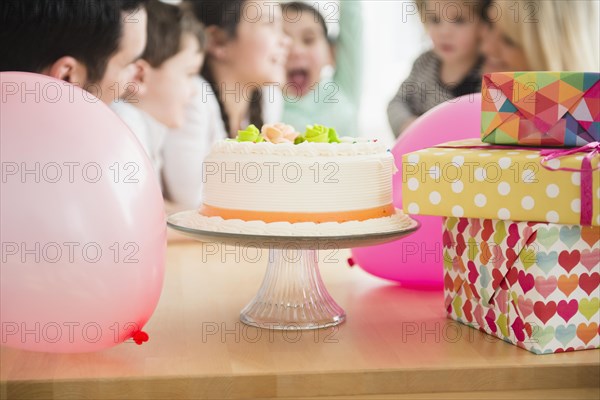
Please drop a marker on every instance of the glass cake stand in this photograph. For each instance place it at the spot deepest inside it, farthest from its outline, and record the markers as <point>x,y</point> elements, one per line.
<point>292,295</point>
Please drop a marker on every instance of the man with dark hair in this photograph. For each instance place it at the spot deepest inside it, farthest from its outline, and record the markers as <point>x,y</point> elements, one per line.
<point>90,43</point>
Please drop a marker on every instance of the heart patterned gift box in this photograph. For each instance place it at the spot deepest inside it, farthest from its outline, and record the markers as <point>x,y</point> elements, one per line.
<point>535,285</point>
<point>557,109</point>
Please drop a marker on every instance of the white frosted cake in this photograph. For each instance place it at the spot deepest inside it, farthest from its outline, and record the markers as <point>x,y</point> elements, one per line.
<point>277,175</point>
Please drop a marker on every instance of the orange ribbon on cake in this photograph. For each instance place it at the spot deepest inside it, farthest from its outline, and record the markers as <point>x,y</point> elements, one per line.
<point>293,217</point>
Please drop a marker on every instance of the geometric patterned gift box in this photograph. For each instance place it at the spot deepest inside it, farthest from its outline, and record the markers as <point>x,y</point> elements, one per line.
<point>535,285</point>
<point>558,109</point>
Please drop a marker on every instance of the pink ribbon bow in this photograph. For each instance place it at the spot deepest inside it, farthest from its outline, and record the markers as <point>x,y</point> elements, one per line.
<point>587,182</point>
<point>586,170</point>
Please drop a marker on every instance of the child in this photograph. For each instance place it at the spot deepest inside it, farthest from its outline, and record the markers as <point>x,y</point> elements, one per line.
<point>451,69</point>
<point>310,95</point>
<point>246,51</point>
<point>89,44</point>
<point>165,76</point>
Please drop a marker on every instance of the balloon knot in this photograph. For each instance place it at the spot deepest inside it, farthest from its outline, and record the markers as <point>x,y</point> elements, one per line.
<point>351,262</point>
<point>140,337</point>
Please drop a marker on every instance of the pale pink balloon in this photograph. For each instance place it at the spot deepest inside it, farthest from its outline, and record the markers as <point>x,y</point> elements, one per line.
<point>83,230</point>
<point>417,259</point>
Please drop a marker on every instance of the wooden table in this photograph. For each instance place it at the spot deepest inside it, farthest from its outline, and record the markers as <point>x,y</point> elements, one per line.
<point>396,343</point>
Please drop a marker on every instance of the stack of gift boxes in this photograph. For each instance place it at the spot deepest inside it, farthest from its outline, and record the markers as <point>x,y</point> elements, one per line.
<point>521,208</point>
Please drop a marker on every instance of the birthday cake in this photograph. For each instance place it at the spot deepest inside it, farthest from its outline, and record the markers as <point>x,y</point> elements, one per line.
<point>277,175</point>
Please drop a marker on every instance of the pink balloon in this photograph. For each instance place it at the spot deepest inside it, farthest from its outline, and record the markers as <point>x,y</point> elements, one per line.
<point>417,259</point>
<point>83,228</point>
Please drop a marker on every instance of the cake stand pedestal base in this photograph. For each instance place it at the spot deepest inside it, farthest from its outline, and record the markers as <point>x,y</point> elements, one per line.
<point>292,294</point>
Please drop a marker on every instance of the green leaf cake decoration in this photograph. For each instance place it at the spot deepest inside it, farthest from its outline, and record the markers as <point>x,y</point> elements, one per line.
<point>250,134</point>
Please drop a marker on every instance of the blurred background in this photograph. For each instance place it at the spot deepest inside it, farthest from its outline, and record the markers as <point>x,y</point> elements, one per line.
<point>393,38</point>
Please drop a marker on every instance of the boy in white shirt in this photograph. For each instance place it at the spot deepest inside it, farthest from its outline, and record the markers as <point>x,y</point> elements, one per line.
<point>165,77</point>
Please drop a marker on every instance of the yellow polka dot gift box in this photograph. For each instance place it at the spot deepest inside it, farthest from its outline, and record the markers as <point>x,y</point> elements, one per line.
<point>472,179</point>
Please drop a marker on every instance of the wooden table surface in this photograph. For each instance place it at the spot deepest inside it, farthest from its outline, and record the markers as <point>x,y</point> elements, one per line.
<point>396,343</point>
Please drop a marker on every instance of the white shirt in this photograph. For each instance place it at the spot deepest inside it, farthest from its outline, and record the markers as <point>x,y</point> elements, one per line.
<point>185,148</point>
<point>148,131</point>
